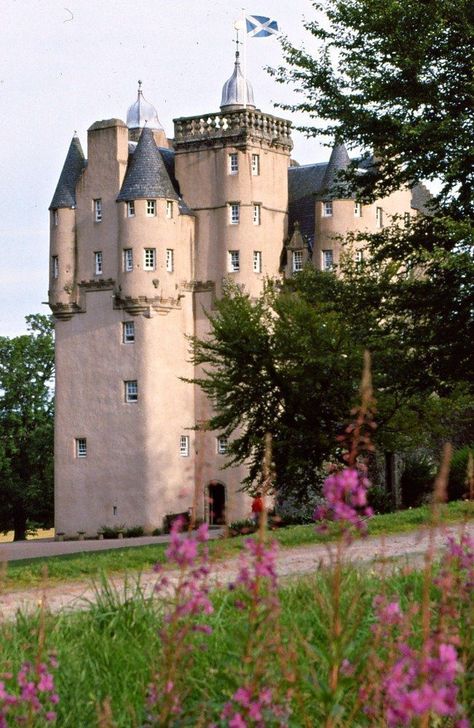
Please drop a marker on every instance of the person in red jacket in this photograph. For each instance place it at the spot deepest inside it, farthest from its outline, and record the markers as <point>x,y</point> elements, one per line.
<point>257,507</point>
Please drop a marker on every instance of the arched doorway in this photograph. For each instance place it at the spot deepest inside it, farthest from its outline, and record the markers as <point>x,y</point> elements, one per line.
<point>216,503</point>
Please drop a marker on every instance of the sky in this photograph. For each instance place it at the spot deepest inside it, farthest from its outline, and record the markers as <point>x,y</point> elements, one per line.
<point>65,64</point>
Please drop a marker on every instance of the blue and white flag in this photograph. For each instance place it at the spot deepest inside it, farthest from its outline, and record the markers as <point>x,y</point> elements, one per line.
<point>260,27</point>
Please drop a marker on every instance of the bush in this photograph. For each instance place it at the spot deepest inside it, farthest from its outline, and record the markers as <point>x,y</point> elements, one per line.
<point>112,531</point>
<point>416,482</point>
<point>133,532</point>
<point>380,499</point>
<point>458,486</point>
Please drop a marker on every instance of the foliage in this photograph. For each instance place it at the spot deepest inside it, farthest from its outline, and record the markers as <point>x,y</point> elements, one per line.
<point>26,427</point>
<point>395,77</point>
<point>285,364</point>
<point>458,484</point>
<point>416,482</point>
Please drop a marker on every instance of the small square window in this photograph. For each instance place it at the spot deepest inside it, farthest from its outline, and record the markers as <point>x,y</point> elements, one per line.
<point>151,208</point>
<point>327,208</point>
<point>149,259</point>
<point>169,260</point>
<point>98,210</point>
<point>257,261</point>
<point>184,446</point>
<point>55,217</point>
<point>257,214</point>
<point>55,266</point>
<point>234,261</point>
<point>128,332</point>
<point>233,163</point>
<point>328,259</point>
<point>81,447</point>
<point>131,208</point>
<point>169,209</point>
<point>234,211</point>
<point>297,261</point>
<point>379,217</point>
<point>98,260</point>
<point>255,164</point>
<point>357,209</point>
<point>128,260</point>
<point>131,391</point>
<point>222,445</point>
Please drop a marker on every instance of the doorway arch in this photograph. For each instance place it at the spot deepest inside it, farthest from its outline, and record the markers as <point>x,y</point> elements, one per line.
<point>216,502</point>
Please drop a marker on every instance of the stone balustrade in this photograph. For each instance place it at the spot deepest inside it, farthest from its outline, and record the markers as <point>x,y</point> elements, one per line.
<point>242,123</point>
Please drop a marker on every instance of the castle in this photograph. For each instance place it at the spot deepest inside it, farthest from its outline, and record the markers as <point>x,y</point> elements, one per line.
<point>143,234</point>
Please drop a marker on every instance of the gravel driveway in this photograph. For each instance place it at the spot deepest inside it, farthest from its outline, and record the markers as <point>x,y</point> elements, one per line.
<point>294,561</point>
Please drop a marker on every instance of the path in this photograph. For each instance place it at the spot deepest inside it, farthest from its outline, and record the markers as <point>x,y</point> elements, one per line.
<point>294,561</point>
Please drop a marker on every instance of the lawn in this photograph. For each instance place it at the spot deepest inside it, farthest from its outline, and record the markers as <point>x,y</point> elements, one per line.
<point>87,565</point>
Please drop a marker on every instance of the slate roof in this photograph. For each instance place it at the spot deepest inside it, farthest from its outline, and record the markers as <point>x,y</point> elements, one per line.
<point>65,193</point>
<point>338,161</point>
<point>420,197</point>
<point>303,184</point>
<point>147,173</point>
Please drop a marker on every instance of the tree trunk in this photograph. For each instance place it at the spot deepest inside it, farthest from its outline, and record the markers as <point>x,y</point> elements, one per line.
<point>19,523</point>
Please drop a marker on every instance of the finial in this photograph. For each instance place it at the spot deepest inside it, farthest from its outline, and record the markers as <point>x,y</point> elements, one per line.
<point>237,41</point>
<point>139,87</point>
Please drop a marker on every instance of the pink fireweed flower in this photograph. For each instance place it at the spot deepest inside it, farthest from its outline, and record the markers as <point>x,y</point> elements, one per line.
<point>28,695</point>
<point>345,493</point>
<point>255,709</point>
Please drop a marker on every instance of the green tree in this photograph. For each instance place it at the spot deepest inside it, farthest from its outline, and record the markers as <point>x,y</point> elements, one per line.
<point>394,76</point>
<point>282,365</point>
<point>26,427</point>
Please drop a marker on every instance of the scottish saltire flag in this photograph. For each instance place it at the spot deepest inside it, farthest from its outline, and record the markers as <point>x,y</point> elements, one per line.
<point>260,27</point>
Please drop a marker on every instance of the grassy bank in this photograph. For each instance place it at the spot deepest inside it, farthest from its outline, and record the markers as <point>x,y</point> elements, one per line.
<point>87,565</point>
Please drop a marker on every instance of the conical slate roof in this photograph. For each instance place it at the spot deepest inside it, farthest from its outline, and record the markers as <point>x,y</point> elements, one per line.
<point>65,194</point>
<point>338,161</point>
<point>147,176</point>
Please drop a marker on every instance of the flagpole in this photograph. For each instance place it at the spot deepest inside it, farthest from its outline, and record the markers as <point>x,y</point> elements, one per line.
<point>244,23</point>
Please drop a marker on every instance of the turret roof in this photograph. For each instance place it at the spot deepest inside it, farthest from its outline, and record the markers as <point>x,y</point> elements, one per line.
<point>65,193</point>
<point>147,175</point>
<point>338,161</point>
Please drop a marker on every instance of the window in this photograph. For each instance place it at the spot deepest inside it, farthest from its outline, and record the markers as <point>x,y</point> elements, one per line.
<point>233,163</point>
<point>128,260</point>
<point>257,214</point>
<point>169,260</point>
<point>357,209</point>
<point>327,209</point>
<point>328,259</point>
<point>257,261</point>
<point>234,209</point>
<point>297,261</point>
<point>149,259</point>
<point>407,219</point>
<point>98,210</point>
<point>221,445</point>
<point>151,208</point>
<point>379,217</point>
<point>255,164</point>
<point>184,446</point>
<point>131,391</point>
<point>128,332</point>
<point>98,260</point>
<point>55,217</point>
<point>359,256</point>
<point>131,208</point>
<point>169,209</point>
<point>55,266</point>
<point>81,447</point>
<point>234,261</point>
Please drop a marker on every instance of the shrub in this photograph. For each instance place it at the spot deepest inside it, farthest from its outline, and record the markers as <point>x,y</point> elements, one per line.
<point>112,531</point>
<point>416,482</point>
<point>457,484</point>
<point>380,499</point>
<point>133,532</point>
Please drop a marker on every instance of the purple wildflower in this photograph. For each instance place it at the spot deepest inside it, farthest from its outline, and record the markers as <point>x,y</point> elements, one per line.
<point>345,493</point>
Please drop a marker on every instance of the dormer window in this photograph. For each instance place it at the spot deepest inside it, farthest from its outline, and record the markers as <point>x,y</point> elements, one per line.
<point>297,261</point>
<point>98,210</point>
<point>327,208</point>
<point>233,163</point>
<point>131,208</point>
<point>151,208</point>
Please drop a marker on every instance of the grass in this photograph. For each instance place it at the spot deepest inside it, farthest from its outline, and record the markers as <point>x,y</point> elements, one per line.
<point>109,653</point>
<point>89,565</point>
